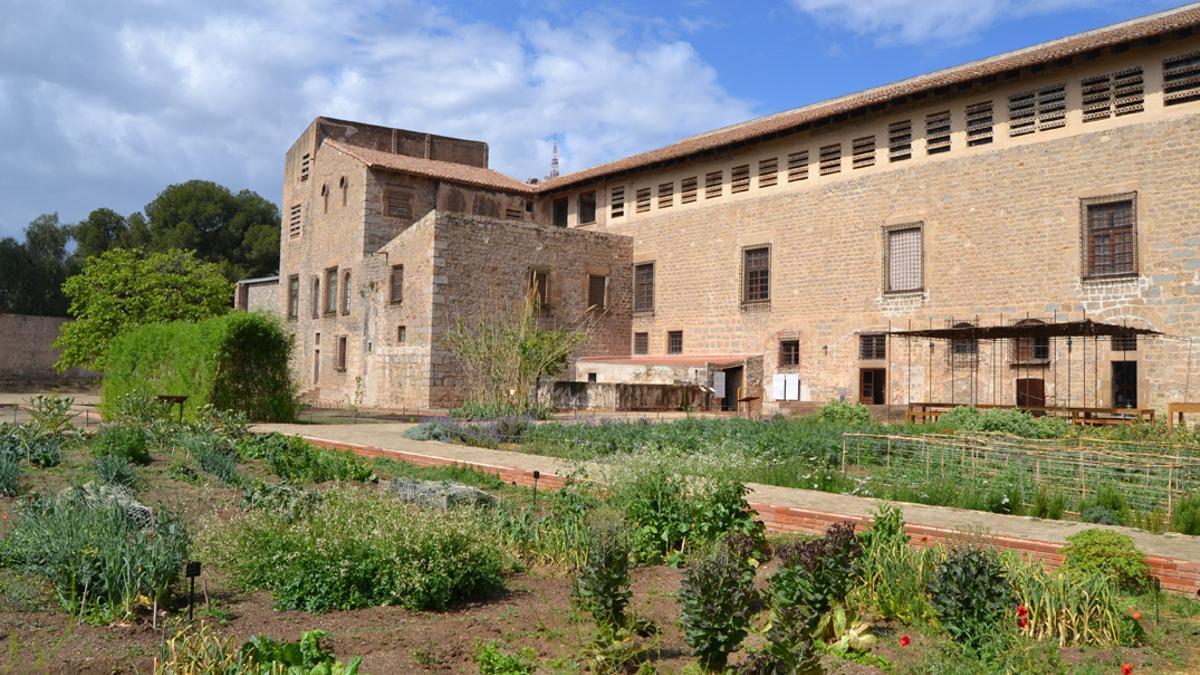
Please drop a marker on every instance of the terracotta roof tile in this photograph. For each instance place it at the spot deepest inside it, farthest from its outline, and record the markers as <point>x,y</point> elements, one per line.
<point>434,168</point>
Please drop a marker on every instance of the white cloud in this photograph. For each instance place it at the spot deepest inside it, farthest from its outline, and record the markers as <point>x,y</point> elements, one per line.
<point>108,105</point>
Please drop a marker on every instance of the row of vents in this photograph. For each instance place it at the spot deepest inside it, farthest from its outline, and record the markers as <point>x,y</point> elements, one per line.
<point>1104,96</point>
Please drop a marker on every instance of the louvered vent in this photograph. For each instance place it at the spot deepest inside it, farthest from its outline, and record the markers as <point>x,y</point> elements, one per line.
<point>643,200</point>
<point>900,140</point>
<point>294,221</point>
<point>1052,107</point>
<point>979,124</point>
<point>616,202</point>
<point>666,195</point>
<point>831,159</point>
<point>768,172</point>
<point>937,132</point>
<point>1181,78</point>
<point>712,184</point>
<point>863,150</point>
<point>687,190</point>
<point>1022,113</point>
<point>798,166</point>
<point>739,178</point>
<point>1119,93</point>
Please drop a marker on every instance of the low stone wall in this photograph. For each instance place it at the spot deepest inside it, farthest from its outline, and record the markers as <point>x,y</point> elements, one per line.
<point>26,354</point>
<point>623,396</point>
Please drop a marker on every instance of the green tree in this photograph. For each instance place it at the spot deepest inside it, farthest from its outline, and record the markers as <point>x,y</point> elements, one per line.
<point>33,271</point>
<point>103,229</point>
<point>122,288</point>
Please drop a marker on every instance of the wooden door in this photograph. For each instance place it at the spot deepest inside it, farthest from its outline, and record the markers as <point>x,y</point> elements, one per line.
<point>1031,392</point>
<point>872,384</point>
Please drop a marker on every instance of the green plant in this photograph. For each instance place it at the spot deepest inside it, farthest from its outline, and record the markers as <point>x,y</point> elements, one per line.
<point>654,499</point>
<point>114,470</point>
<point>266,656</point>
<point>495,659</point>
<point>601,585</point>
<point>719,507</point>
<point>1071,608</point>
<point>10,475</point>
<point>1047,504</point>
<point>853,414</point>
<point>970,592</point>
<point>716,602</point>
<point>50,415</point>
<point>127,441</point>
<point>1105,506</point>
<point>289,502</point>
<point>894,573</point>
<point>1185,516</point>
<point>215,454</point>
<point>1111,555</point>
<point>815,574</point>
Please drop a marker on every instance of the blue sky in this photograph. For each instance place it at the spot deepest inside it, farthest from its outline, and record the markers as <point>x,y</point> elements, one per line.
<point>105,104</point>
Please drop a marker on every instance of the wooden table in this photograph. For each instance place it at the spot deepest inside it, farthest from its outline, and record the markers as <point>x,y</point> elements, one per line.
<point>171,400</point>
<point>1179,409</point>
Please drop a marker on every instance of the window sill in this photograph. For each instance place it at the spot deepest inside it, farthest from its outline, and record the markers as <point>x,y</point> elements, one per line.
<point>638,313</point>
<point>756,305</point>
<point>1036,363</point>
<point>906,293</point>
<point>1101,278</point>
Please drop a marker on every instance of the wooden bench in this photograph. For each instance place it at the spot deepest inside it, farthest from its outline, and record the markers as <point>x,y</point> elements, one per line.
<point>1177,410</point>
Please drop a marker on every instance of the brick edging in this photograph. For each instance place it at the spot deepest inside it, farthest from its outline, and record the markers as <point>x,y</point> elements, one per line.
<point>1182,576</point>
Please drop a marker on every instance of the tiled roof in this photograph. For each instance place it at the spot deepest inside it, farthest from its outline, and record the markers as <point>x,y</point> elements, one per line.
<point>1046,52</point>
<point>434,168</point>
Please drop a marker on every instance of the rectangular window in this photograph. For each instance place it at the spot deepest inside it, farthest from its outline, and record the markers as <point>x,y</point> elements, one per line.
<point>687,190</point>
<point>512,213</point>
<point>666,195</point>
<point>643,200</point>
<point>756,274</point>
<point>768,172</point>
<point>616,202</point>
<point>294,220</point>
<point>341,354</point>
<point>1181,78</point>
<point>675,342</point>
<point>396,285</point>
<point>316,297</point>
<point>900,140</point>
<point>979,124</point>
<point>863,152</point>
<point>397,204</point>
<point>739,178</point>
<point>294,297</point>
<point>903,258</point>
<point>712,184</point>
<point>331,296</point>
<point>346,292</point>
<point>401,334</point>
<point>1119,93</point>
<point>1110,237</point>
<point>643,287</point>
<point>789,353</point>
<point>798,166</point>
<point>641,343</point>
<point>305,165</point>
<point>937,132</point>
<point>539,286</point>
<point>558,208</point>
<point>587,207</point>
<point>597,291</point>
<point>872,347</point>
<point>831,159</point>
<point>1124,343</point>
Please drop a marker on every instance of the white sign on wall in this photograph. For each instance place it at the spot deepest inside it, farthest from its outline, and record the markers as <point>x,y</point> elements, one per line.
<point>785,387</point>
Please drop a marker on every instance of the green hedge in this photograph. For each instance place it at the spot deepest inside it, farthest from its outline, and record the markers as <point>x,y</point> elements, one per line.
<point>238,361</point>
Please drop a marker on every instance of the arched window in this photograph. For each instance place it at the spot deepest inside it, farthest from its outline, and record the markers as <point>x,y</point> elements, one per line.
<point>1034,349</point>
<point>325,196</point>
<point>346,293</point>
<point>342,184</point>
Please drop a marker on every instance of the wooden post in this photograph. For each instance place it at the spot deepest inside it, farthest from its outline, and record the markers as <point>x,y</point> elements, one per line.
<point>1082,475</point>
<point>889,454</point>
<point>926,444</point>
<point>843,455</point>
<point>1170,486</point>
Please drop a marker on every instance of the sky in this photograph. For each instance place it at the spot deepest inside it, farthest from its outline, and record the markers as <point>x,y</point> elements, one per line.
<point>104,103</point>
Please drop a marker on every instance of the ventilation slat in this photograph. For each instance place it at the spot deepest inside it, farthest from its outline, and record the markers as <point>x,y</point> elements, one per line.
<point>798,166</point>
<point>831,159</point>
<point>863,152</point>
<point>900,140</point>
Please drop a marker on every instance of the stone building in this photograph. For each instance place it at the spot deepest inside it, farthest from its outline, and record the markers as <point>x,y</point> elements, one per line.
<point>771,259</point>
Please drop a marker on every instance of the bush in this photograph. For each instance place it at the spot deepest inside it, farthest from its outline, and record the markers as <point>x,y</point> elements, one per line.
<point>114,470</point>
<point>1111,555</point>
<point>360,550</point>
<point>478,410</point>
<point>716,602</point>
<point>815,574</point>
<point>101,564</point>
<point>1048,505</point>
<point>1004,420</point>
<point>1185,516</point>
<point>970,593</point>
<point>601,586</point>
<point>10,475</point>
<point>1106,506</point>
<point>238,361</point>
<point>845,414</point>
<point>127,441</point>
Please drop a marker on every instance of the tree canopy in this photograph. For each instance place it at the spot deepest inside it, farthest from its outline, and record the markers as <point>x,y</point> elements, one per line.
<point>33,271</point>
<point>126,287</point>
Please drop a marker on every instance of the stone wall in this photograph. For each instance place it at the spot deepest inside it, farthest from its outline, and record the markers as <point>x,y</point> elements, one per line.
<point>26,354</point>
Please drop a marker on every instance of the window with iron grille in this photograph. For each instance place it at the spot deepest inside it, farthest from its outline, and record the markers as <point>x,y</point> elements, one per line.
<point>756,274</point>
<point>397,204</point>
<point>687,190</point>
<point>587,207</point>
<point>305,165</point>
<point>937,132</point>
<point>1033,349</point>
<point>1124,343</point>
<point>643,287</point>
<point>1110,237</point>
<point>346,292</point>
<point>558,212</point>
<point>666,195</point>
<point>331,296</point>
<point>739,178</point>
<point>872,347</point>
<point>294,297</point>
<point>979,124</point>
<point>401,334</point>
<point>675,342</point>
<point>294,220</point>
<point>396,284</point>
<point>1181,78</point>
<point>903,259</point>
<point>643,200</point>
<point>539,286</point>
<point>862,152</point>
<point>789,353</point>
<point>641,343</point>
<point>831,159</point>
<point>798,166</point>
<point>616,202</point>
<point>964,348</point>
<point>712,184</point>
<point>597,291</point>
<point>768,172</point>
<point>340,363</point>
<point>1119,93</point>
<point>900,140</point>
<point>316,297</point>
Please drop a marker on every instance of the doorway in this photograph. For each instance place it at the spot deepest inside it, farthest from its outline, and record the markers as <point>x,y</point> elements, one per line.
<point>1124,384</point>
<point>733,386</point>
<point>1031,392</point>
<point>872,386</point>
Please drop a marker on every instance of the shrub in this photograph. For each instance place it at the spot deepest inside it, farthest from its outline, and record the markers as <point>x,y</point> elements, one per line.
<point>654,500</point>
<point>101,564</point>
<point>1004,420</point>
<point>360,550</point>
<point>1106,506</point>
<point>846,414</point>
<point>238,361</point>
<point>716,600</point>
<point>719,507</point>
<point>495,659</point>
<point>1185,516</point>
<point>50,415</point>
<point>304,462</point>
<point>10,475</point>
<point>601,586</point>
<point>127,441</point>
<point>815,574</point>
<point>970,592</point>
<point>114,470</point>
<point>1049,505</point>
<point>45,451</point>
<point>479,410</point>
<point>1111,555</point>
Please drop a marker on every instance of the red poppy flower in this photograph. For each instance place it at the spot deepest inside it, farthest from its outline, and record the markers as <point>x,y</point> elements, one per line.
<point>1137,616</point>
<point>904,640</point>
<point>1022,622</point>
<point>1127,669</point>
<point>1022,611</point>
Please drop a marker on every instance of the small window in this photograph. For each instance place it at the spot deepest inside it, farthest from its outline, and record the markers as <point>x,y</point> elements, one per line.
<point>903,259</point>
<point>397,204</point>
<point>739,178</point>
<point>863,152</point>
<point>831,159</point>
<point>294,297</point>
<point>675,342</point>
<point>1031,350</point>
<point>325,197</point>
<point>687,190</point>
<point>1110,237</point>
<point>872,347</point>
<point>305,165</point>
<point>401,334</point>
<point>331,296</point>
<point>789,353</point>
<point>797,166</point>
<point>937,132</point>
<point>294,220</point>
<point>641,343</point>
<point>643,200</point>
<point>979,124</point>
<point>712,184</point>
<point>396,285</point>
<point>343,185</point>
<point>616,202</point>
<point>316,297</point>
<point>666,195</point>
<point>346,292</point>
<point>1181,78</point>
<point>900,140</point>
<point>1124,343</point>
<point>643,287</point>
<point>559,212</point>
<point>587,207</point>
<point>597,291</point>
<point>768,172</point>
<point>341,354</point>
<point>539,287</point>
<point>756,274</point>
<point>591,377</point>
<point>964,348</point>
